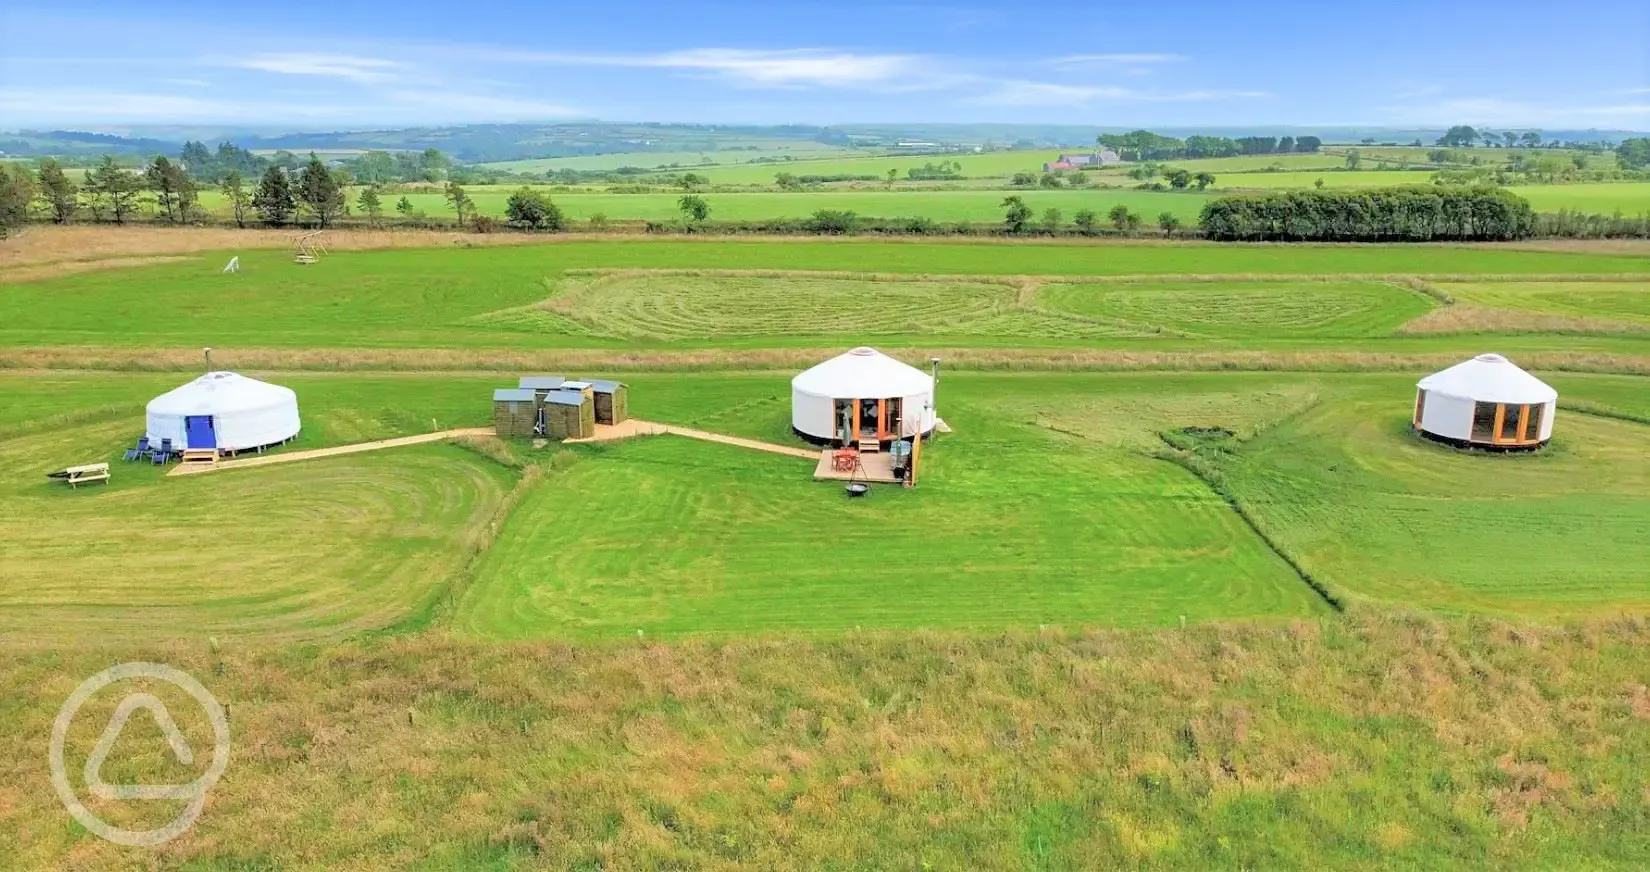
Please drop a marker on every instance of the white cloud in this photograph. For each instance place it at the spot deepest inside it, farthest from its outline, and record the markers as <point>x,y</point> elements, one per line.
<point>1019,92</point>
<point>1143,59</point>
<point>340,66</point>
<point>781,68</point>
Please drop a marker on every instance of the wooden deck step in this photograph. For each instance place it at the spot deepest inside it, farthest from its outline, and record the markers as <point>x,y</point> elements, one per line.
<point>870,446</point>
<point>200,456</point>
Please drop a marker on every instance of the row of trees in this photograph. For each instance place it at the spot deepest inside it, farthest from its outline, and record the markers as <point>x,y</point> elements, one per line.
<point>1387,215</point>
<point>1144,145</point>
<point>110,192</point>
<point>1634,154</point>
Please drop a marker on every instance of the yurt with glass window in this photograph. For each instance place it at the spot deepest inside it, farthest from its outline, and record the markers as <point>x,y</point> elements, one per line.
<point>862,397</point>
<point>1485,402</point>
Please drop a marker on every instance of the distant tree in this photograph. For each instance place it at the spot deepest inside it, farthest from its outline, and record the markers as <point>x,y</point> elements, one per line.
<point>1086,221</point>
<point>1459,136</point>
<point>1049,180</point>
<point>1286,145</point>
<point>1016,215</point>
<point>1510,138</point>
<point>404,206</point>
<point>693,207</point>
<point>893,176</point>
<point>786,181</point>
<point>60,194</point>
<point>16,192</point>
<point>1078,180</point>
<point>198,162</point>
<point>1531,138</point>
<point>1023,180</point>
<point>1120,216</point>
<point>370,204</point>
<point>374,167</point>
<point>1133,222</point>
<point>1203,180</point>
<point>1307,144</point>
<point>433,166</point>
<point>233,188</point>
<point>598,221</point>
<point>273,199</point>
<point>114,188</point>
<point>1051,221</point>
<point>1168,222</point>
<point>286,160</point>
<point>174,190</point>
<point>1178,179</point>
<point>1353,159</point>
<point>1634,154</point>
<point>460,201</point>
<point>689,181</point>
<point>320,193</point>
<point>1318,183</point>
<point>529,208</point>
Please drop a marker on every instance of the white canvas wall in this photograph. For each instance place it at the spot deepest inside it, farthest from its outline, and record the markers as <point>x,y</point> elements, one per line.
<point>1450,417</point>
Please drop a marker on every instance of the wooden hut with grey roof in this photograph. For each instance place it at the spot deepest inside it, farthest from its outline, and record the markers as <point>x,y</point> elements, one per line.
<point>612,401</point>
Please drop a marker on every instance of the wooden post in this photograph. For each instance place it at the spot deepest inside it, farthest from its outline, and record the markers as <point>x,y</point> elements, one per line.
<point>1524,424</point>
<point>1500,418</point>
<point>853,426</point>
<point>916,446</point>
<point>882,420</point>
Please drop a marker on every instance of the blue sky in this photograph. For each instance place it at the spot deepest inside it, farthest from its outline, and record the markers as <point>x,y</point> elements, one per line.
<point>340,65</point>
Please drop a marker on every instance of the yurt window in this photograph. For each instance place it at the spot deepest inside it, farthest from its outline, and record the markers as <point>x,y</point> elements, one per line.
<point>1483,422</point>
<point>1532,428</point>
<point>1512,424</point>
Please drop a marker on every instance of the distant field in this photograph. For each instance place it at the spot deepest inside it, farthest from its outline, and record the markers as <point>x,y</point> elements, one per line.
<point>1256,163</point>
<point>996,164</point>
<point>946,206</point>
<point>1245,309</point>
<point>650,159</point>
<point>1630,198</point>
<point>1307,180</point>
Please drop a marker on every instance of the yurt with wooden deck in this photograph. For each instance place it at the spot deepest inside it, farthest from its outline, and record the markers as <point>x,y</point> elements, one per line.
<point>862,396</point>
<point>569,414</point>
<point>223,410</point>
<point>612,401</point>
<point>515,411</point>
<point>1485,402</point>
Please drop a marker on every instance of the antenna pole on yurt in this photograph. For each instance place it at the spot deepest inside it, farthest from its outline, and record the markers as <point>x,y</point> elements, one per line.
<point>207,353</point>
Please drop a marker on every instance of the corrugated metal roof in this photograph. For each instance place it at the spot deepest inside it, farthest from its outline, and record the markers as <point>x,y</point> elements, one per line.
<point>575,385</point>
<point>602,386</point>
<point>513,395</point>
<point>565,398</point>
<point>542,382</point>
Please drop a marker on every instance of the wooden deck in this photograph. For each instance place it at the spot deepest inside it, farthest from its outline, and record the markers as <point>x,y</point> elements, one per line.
<point>635,427</point>
<point>876,467</point>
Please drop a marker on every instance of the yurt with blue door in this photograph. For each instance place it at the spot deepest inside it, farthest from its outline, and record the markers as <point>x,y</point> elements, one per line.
<point>226,411</point>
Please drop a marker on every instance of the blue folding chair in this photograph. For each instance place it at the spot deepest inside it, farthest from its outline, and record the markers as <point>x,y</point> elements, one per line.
<point>141,449</point>
<point>163,453</point>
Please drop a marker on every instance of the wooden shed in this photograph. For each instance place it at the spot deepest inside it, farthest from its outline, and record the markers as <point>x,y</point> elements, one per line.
<point>612,401</point>
<point>515,411</point>
<point>569,414</point>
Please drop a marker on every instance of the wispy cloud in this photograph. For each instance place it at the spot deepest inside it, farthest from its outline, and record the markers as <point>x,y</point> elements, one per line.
<point>1138,59</point>
<point>785,68</point>
<point>1019,92</point>
<point>338,66</point>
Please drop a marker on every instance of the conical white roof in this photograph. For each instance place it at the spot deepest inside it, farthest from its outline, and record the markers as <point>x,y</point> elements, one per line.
<point>1489,378</point>
<point>221,393</point>
<point>863,373</point>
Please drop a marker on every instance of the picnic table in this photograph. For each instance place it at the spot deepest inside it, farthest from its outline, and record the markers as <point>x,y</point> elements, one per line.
<point>85,474</point>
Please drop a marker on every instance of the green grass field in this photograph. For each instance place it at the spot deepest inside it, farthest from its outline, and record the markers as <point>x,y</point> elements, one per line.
<point>1096,636</point>
<point>649,159</point>
<point>1602,198</point>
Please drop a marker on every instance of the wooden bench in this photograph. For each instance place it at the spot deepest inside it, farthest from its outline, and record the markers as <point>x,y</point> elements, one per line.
<point>79,475</point>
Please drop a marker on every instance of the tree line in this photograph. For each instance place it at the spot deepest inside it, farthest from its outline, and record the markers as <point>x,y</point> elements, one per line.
<point>1144,145</point>
<point>1384,215</point>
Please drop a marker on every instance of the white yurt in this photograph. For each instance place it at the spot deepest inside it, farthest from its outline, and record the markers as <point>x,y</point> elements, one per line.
<point>1486,402</point>
<point>226,411</point>
<point>889,400</point>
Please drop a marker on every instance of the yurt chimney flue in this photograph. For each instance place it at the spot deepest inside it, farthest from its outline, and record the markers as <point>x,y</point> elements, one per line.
<point>933,391</point>
<point>207,353</point>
